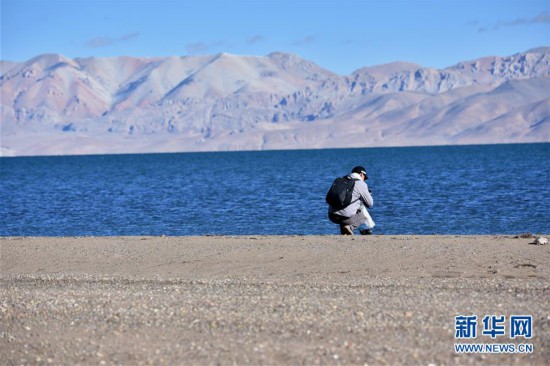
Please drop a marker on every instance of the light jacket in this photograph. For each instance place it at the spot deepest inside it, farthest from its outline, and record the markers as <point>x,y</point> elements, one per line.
<point>360,195</point>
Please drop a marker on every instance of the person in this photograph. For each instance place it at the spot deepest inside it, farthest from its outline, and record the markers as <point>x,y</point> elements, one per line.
<point>352,216</point>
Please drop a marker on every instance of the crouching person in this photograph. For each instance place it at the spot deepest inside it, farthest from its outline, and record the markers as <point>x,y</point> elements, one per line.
<point>348,198</point>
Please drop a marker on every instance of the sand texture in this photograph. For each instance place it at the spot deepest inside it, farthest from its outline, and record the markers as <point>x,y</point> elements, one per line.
<point>266,299</point>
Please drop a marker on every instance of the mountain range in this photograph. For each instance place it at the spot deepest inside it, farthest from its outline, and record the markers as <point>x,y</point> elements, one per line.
<point>54,105</point>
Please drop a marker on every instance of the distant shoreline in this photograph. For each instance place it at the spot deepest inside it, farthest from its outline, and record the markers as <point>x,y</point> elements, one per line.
<point>272,150</point>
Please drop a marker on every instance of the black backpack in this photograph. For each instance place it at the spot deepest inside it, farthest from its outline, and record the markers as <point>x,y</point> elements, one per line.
<point>339,194</point>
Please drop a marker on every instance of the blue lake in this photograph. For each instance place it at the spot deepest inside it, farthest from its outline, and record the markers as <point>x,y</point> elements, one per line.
<point>492,189</point>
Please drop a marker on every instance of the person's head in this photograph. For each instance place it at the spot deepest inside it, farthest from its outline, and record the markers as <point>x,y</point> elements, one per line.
<point>361,171</point>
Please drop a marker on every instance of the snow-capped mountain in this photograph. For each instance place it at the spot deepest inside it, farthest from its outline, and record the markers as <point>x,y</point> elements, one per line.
<point>55,105</point>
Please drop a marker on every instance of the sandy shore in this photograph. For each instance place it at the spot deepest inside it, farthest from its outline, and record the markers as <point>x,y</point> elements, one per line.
<point>266,299</point>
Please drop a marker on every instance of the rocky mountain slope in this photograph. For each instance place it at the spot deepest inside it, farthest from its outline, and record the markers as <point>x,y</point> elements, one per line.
<point>55,105</point>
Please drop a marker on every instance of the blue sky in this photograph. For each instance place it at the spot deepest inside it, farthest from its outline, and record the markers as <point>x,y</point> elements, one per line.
<point>341,36</point>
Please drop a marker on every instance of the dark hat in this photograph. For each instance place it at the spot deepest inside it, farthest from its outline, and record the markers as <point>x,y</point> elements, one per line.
<point>359,169</point>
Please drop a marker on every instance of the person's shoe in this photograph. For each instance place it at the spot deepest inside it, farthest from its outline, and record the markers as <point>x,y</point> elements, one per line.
<point>346,230</point>
<point>366,232</point>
